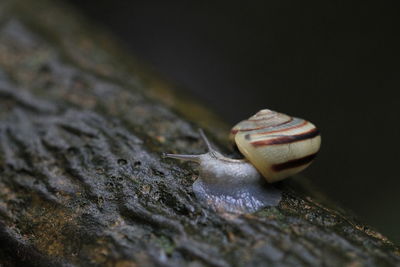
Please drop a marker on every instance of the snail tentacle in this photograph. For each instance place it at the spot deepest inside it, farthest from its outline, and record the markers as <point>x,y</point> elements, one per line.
<point>196,158</point>
<point>205,140</point>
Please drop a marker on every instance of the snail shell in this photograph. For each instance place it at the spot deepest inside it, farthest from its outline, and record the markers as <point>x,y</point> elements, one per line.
<point>278,145</point>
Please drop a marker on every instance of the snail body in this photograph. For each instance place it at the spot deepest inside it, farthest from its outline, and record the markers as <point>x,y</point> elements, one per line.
<point>275,146</point>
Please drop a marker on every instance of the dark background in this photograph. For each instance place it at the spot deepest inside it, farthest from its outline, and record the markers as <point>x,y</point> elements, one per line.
<point>336,64</point>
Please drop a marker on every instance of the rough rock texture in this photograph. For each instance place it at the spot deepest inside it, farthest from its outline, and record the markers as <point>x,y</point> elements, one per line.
<point>82,127</point>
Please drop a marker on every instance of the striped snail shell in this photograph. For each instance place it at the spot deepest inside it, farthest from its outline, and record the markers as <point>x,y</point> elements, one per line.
<point>278,145</point>
<point>275,146</point>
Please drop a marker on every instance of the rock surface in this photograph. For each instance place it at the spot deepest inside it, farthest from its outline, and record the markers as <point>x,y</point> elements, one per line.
<point>82,183</point>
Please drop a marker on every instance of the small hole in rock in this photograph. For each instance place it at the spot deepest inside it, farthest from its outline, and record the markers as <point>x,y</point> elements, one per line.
<point>45,68</point>
<point>72,150</point>
<point>122,162</point>
<point>157,172</point>
<point>48,84</point>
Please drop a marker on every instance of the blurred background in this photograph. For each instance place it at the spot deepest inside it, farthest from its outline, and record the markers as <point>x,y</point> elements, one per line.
<point>336,64</point>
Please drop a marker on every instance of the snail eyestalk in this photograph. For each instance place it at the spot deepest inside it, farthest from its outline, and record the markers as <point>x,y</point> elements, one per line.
<point>205,140</point>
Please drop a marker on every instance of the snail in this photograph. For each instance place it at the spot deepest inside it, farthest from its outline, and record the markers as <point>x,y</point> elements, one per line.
<point>275,146</point>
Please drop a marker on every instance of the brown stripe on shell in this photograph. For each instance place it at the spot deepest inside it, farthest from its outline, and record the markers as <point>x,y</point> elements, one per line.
<point>266,119</point>
<point>285,129</point>
<point>286,139</point>
<point>294,163</point>
<point>235,131</point>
